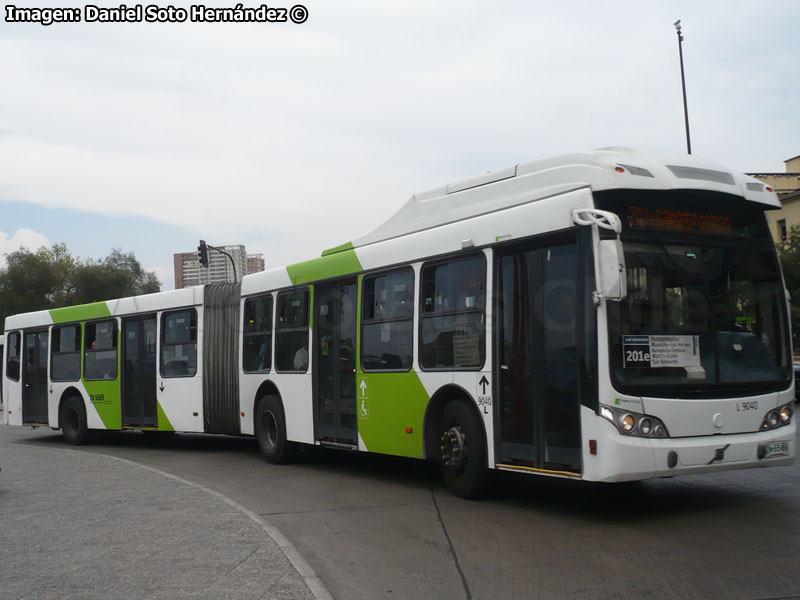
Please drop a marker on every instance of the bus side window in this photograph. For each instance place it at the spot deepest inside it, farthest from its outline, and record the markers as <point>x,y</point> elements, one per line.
<point>179,343</point>
<point>387,321</point>
<point>100,360</point>
<point>291,332</point>
<point>66,353</point>
<point>257,339</point>
<point>452,323</point>
<point>12,362</point>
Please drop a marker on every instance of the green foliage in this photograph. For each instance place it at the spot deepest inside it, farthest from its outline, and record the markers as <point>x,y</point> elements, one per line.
<point>53,278</point>
<point>789,253</point>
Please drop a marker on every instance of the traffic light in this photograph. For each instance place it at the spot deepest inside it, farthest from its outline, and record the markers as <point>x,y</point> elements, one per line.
<point>202,253</point>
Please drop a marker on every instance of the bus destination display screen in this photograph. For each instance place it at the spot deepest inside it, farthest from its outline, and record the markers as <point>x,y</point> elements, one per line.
<point>643,217</point>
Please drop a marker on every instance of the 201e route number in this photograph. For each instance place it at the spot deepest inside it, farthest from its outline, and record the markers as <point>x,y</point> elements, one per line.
<point>637,356</point>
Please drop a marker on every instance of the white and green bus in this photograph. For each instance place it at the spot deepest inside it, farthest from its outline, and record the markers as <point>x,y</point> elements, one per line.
<point>609,316</point>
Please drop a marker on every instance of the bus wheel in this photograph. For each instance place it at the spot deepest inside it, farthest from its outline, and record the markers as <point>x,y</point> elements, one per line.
<point>73,421</point>
<point>463,451</point>
<point>271,431</point>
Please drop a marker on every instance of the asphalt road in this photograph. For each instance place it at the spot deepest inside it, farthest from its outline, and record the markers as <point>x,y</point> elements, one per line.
<point>381,527</point>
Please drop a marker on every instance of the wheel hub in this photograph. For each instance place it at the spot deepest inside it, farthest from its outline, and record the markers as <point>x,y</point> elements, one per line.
<point>454,447</point>
<point>270,429</point>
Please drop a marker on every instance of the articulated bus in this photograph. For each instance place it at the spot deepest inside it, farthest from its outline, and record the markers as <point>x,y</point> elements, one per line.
<point>610,316</point>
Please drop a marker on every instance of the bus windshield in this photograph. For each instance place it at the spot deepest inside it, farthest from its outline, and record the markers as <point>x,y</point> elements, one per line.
<point>705,312</point>
<point>698,315</point>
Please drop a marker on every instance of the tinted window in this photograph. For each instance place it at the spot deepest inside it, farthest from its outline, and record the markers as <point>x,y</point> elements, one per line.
<point>453,321</point>
<point>291,343</point>
<point>257,341</point>
<point>12,362</point>
<point>387,319</point>
<point>66,358</point>
<point>700,316</point>
<point>179,343</point>
<point>100,360</point>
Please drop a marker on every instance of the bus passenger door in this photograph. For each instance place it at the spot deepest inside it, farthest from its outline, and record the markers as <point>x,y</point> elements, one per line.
<point>34,378</point>
<point>537,351</point>
<point>335,362</point>
<point>139,372</point>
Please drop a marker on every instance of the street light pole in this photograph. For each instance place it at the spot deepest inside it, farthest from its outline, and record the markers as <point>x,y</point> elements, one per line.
<point>683,85</point>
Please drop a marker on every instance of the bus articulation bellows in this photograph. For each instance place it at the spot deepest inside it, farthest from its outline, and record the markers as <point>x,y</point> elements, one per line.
<point>611,315</point>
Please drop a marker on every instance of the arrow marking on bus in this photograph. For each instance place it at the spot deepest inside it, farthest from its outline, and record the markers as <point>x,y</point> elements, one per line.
<point>162,386</point>
<point>363,387</point>
<point>483,383</point>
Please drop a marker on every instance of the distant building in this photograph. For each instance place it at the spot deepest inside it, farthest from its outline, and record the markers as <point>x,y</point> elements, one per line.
<point>255,263</point>
<point>189,272</point>
<point>787,186</point>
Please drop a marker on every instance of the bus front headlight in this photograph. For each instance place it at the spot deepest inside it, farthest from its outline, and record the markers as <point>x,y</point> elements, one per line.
<point>777,417</point>
<point>627,422</point>
<point>634,424</point>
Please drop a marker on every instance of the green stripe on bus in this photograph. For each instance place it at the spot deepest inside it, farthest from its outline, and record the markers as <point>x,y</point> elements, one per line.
<point>83,312</point>
<point>163,422</point>
<point>391,412</point>
<point>342,248</point>
<point>332,265</point>
<point>106,398</point>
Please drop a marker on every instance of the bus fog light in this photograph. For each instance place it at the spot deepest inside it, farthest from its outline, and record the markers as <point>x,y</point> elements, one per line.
<point>627,422</point>
<point>660,431</point>
<point>645,426</point>
<point>786,415</point>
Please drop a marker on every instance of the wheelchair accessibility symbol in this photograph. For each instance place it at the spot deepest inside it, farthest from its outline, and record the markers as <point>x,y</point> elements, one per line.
<point>363,400</point>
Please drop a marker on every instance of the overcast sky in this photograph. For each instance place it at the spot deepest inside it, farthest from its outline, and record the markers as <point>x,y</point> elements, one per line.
<point>294,138</point>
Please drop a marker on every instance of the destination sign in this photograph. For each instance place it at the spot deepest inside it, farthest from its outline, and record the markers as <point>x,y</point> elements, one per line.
<point>642,217</point>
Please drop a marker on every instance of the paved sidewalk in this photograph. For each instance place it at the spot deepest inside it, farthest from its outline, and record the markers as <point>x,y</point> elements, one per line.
<point>85,526</point>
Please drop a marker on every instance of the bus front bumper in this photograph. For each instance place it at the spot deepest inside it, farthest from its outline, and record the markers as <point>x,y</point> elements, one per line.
<point>628,458</point>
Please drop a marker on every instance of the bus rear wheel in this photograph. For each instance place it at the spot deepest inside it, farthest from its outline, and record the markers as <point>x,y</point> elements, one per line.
<point>271,431</point>
<point>73,421</point>
<point>463,458</point>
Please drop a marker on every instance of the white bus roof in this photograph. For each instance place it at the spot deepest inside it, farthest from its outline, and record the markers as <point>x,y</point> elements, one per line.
<point>171,299</point>
<point>597,169</point>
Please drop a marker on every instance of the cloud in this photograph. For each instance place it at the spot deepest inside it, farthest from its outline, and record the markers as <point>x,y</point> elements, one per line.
<point>22,238</point>
<point>165,276</point>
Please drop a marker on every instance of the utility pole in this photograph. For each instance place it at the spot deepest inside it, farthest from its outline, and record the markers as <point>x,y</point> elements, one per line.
<point>683,85</point>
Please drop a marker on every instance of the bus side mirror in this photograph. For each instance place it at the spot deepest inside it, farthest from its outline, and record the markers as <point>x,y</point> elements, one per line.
<point>612,281</point>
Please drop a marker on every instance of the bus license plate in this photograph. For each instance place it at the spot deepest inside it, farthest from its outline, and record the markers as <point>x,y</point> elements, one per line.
<point>776,449</point>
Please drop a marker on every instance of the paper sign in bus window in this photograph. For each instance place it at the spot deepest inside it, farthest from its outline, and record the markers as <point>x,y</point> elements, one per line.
<point>652,351</point>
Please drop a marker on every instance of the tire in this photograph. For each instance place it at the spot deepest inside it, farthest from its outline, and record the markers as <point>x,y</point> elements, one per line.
<point>271,431</point>
<point>73,421</point>
<point>463,463</point>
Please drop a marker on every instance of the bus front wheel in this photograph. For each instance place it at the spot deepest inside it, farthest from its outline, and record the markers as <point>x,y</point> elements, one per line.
<point>271,431</point>
<point>73,421</point>
<point>463,458</point>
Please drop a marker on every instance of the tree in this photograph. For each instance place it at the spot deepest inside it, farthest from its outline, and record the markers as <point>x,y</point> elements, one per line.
<point>36,281</point>
<point>789,254</point>
<point>52,278</point>
<point>118,275</point>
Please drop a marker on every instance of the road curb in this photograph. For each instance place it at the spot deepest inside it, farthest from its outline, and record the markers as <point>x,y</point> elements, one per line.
<point>308,575</point>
